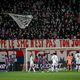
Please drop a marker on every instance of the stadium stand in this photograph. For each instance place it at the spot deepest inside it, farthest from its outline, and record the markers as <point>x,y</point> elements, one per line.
<point>52,19</point>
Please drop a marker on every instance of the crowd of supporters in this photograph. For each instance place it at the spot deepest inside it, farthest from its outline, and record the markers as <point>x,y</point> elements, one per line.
<point>52,19</point>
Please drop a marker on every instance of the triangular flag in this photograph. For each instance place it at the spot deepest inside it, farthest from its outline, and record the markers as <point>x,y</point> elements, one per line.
<point>22,20</point>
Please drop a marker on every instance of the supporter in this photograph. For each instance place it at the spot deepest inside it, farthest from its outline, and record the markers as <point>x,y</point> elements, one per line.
<point>51,19</point>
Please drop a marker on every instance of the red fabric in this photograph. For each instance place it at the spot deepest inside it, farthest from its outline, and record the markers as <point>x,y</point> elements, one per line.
<point>19,53</point>
<point>36,51</point>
